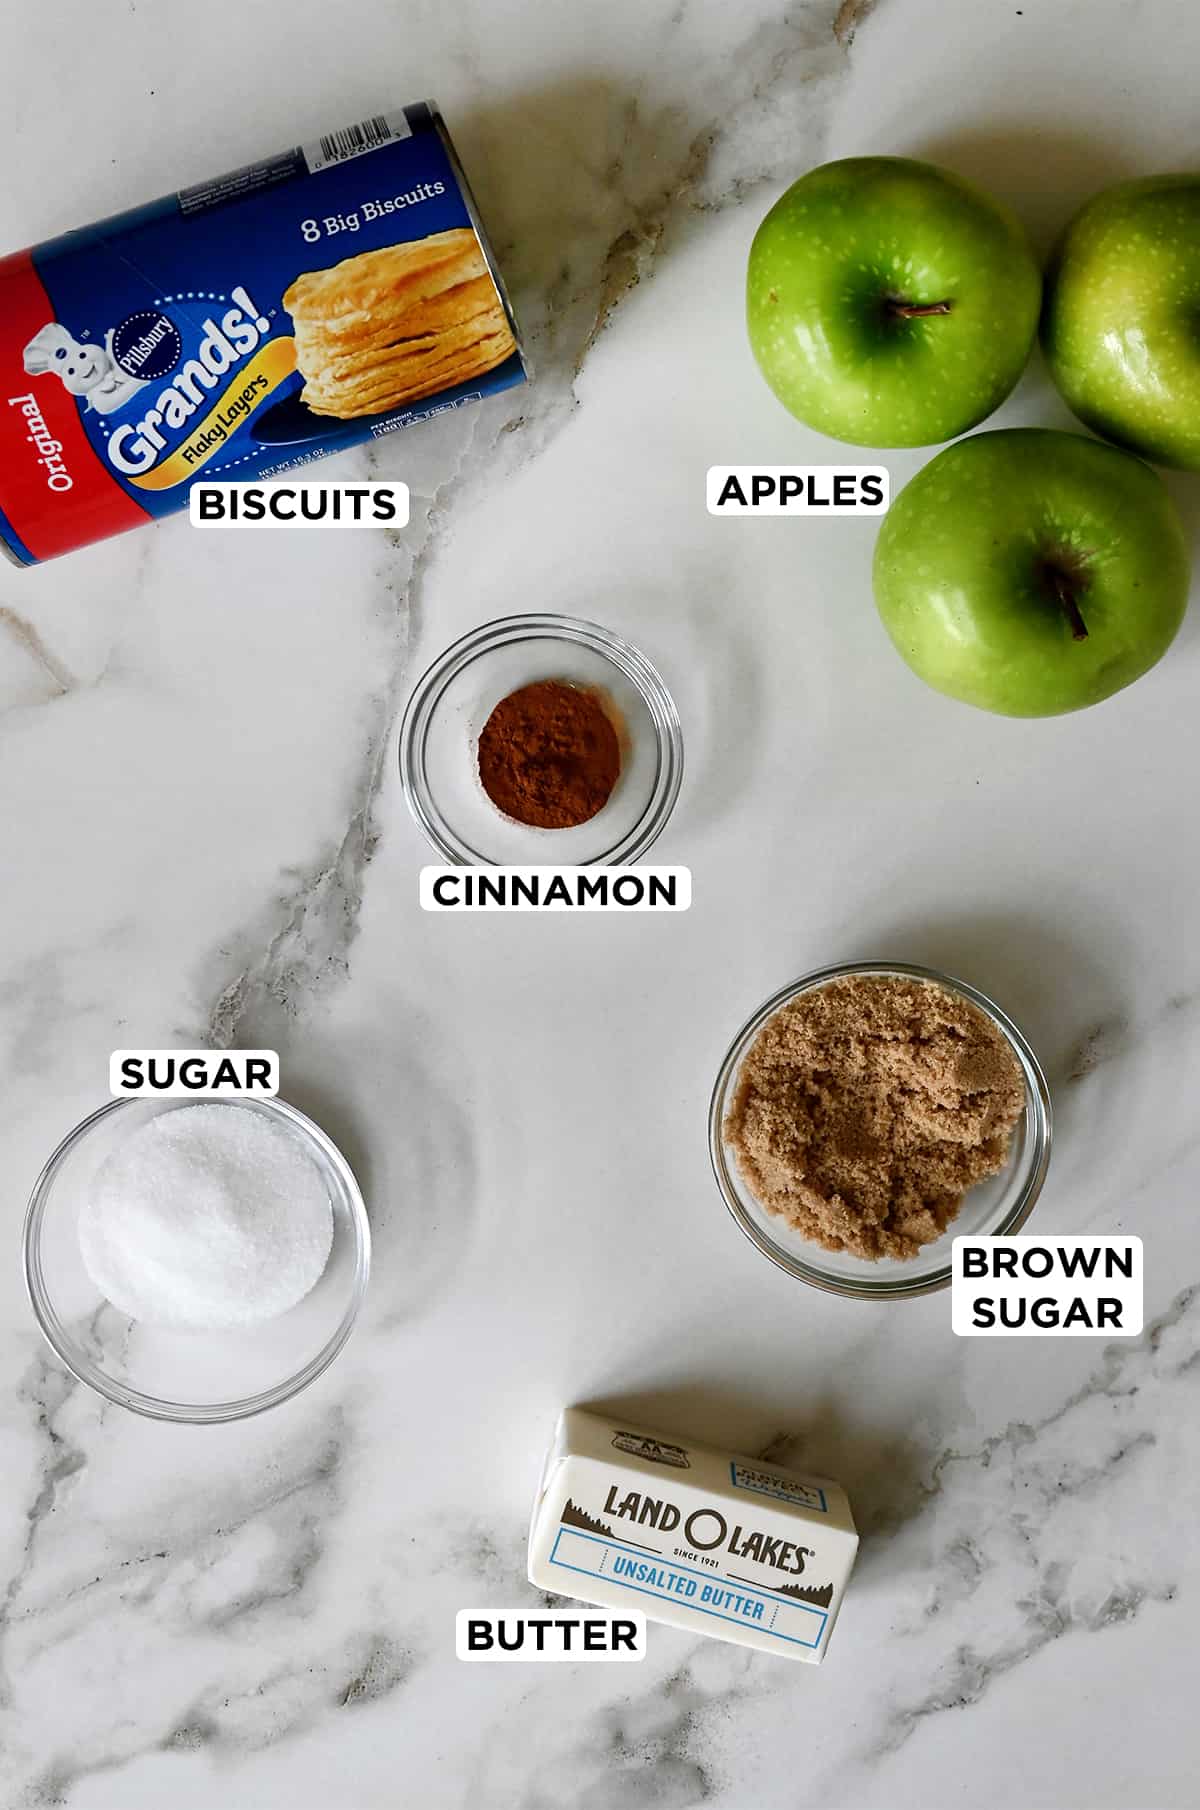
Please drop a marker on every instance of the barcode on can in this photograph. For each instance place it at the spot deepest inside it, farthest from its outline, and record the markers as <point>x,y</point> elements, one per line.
<point>355,141</point>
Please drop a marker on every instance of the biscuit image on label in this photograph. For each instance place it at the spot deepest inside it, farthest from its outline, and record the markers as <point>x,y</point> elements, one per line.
<point>391,326</point>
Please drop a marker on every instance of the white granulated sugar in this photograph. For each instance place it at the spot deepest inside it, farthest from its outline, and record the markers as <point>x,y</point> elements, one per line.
<point>207,1217</point>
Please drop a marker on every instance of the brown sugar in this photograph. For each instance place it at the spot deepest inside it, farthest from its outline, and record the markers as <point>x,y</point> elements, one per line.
<point>549,755</point>
<point>865,1109</point>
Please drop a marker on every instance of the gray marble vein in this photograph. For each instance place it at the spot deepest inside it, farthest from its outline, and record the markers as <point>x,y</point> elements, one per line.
<point>1010,1568</point>
<point>26,636</point>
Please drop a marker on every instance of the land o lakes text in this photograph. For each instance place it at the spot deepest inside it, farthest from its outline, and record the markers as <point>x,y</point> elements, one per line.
<point>705,1529</point>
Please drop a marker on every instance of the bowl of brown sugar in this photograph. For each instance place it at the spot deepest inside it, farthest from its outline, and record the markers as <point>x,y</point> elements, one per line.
<point>541,740</point>
<point>866,1115</point>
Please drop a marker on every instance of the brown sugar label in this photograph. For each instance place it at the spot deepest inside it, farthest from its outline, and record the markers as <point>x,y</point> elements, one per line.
<point>1027,1287</point>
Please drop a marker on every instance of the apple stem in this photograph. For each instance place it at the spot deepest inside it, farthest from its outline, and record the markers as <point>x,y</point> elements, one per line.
<point>1064,593</point>
<point>911,311</point>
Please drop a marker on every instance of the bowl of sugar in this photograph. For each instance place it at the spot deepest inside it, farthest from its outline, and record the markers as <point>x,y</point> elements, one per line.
<point>200,1262</point>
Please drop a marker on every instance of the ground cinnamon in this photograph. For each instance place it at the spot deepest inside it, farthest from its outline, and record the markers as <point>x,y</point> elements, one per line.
<point>549,755</point>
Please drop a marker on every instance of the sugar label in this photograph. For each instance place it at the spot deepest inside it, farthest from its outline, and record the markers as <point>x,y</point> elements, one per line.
<point>193,1074</point>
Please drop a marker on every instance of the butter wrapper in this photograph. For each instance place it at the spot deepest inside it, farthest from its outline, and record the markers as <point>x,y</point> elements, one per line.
<point>702,1539</point>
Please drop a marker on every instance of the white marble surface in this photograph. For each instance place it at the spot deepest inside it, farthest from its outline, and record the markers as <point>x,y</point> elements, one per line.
<point>204,838</point>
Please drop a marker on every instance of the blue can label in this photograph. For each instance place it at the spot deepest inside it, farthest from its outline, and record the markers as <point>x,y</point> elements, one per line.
<point>299,305</point>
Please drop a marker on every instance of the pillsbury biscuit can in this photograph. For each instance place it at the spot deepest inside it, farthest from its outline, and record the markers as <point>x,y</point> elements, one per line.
<point>306,303</point>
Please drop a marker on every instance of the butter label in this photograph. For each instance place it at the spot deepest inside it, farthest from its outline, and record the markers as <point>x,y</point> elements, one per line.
<point>699,1538</point>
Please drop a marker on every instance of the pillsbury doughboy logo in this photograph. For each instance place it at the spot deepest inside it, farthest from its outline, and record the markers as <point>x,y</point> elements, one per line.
<point>105,377</point>
<point>88,371</point>
<point>148,346</point>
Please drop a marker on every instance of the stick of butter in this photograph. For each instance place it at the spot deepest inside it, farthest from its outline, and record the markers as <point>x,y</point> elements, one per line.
<point>733,1547</point>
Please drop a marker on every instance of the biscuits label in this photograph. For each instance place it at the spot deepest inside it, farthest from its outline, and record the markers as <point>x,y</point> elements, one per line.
<point>300,503</point>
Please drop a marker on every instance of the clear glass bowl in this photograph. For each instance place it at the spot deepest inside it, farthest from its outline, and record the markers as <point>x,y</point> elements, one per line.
<point>199,1377</point>
<point>452,702</point>
<point>993,1207</point>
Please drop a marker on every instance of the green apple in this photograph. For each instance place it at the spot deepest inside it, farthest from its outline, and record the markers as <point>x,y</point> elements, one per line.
<point>890,303</point>
<point>1031,572</point>
<point>1122,322</point>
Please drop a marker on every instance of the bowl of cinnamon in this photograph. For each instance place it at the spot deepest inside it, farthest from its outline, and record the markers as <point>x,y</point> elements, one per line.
<point>541,739</point>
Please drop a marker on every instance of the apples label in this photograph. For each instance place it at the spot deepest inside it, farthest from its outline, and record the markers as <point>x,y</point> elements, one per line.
<point>1011,1288</point>
<point>798,489</point>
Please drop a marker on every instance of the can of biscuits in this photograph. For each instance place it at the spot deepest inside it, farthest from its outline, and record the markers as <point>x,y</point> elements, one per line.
<point>314,300</point>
